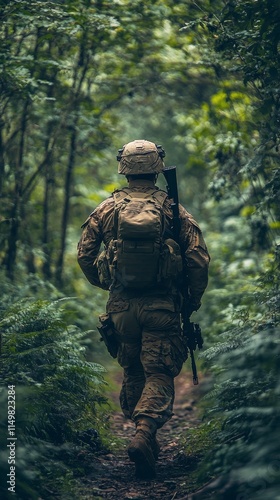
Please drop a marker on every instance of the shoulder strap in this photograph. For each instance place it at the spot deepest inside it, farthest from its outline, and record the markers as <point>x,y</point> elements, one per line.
<point>158,194</point>
<point>120,195</point>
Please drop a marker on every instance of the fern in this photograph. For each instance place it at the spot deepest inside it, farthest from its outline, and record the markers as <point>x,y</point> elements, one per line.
<point>40,351</point>
<point>243,407</point>
<point>59,395</point>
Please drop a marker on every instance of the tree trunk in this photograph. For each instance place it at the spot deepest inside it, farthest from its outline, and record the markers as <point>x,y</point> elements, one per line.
<point>46,268</point>
<point>16,214</point>
<point>10,257</point>
<point>66,207</point>
<point>77,86</point>
<point>2,161</point>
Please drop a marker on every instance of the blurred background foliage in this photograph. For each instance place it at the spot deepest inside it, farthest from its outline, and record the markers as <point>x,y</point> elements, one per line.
<point>78,79</point>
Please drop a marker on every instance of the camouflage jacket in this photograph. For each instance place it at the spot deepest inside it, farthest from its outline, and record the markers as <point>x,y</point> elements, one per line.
<point>98,228</point>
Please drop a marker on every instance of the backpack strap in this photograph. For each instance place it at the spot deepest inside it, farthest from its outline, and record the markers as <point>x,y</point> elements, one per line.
<point>160,196</point>
<point>120,195</point>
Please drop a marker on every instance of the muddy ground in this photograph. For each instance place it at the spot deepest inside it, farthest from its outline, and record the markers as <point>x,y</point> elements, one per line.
<point>113,474</point>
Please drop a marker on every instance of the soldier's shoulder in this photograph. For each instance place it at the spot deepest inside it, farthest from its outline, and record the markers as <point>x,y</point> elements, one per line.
<point>188,217</point>
<point>104,207</point>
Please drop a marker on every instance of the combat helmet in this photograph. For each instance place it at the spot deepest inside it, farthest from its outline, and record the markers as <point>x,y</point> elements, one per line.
<point>140,157</point>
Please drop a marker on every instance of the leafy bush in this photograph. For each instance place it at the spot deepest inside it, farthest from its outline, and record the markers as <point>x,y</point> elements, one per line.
<point>60,406</point>
<point>243,405</point>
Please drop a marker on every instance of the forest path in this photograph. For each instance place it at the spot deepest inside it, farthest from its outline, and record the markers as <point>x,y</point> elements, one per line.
<point>113,476</point>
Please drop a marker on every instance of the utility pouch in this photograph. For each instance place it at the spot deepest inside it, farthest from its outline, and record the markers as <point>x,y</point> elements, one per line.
<point>108,334</point>
<point>103,269</point>
<point>171,264</point>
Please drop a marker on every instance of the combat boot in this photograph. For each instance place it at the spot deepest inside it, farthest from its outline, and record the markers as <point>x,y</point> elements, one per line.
<point>155,447</point>
<point>140,450</point>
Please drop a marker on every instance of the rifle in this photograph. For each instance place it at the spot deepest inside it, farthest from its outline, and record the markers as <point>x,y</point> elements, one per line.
<point>191,331</point>
<point>172,191</point>
<point>192,334</point>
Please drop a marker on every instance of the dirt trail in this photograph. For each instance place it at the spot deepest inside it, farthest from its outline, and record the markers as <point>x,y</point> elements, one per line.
<point>113,475</point>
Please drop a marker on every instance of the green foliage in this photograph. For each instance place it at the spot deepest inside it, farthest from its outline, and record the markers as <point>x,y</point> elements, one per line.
<point>39,351</point>
<point>245,451</point>
<point>78,80</point>
<point>244,456</point>
<point>239,437</point>
<point>237,133</point>
<point>63,79</point>
<point>60,403</point>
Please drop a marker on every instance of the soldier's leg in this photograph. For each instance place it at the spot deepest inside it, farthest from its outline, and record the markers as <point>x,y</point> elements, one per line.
<point>133,381</point>
<point>129,336</point>
<point>162,357</point>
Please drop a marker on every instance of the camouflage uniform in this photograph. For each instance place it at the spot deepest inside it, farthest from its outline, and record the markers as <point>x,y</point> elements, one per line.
<point>151,349</point>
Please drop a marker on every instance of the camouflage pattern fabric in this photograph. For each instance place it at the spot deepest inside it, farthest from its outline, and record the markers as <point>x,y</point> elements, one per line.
<point>139,157</point>
<point>148,322</point>
<point>151,353</point>
<point>99,226</point>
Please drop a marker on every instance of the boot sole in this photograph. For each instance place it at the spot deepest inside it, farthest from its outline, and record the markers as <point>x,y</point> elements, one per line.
<point>144,467</point>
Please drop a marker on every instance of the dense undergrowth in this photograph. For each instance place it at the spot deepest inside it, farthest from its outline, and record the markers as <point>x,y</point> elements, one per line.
<point>61,413</point>
<point>238,441</point>
<point>203,80</point>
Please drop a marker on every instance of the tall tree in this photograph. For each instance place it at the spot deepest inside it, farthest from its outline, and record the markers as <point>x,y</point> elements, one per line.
<point>64,66</point>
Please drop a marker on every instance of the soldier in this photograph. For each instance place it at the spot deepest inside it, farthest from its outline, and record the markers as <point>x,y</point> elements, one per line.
<point>145,271</point>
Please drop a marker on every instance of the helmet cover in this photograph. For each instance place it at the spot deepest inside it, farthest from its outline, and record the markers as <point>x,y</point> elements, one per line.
<point>140,157</point>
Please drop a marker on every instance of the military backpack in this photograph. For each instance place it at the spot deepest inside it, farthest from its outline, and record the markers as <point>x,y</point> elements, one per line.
<point>139,256</point>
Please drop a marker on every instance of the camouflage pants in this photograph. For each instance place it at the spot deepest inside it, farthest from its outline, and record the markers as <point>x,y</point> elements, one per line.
<point>151,353</point>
